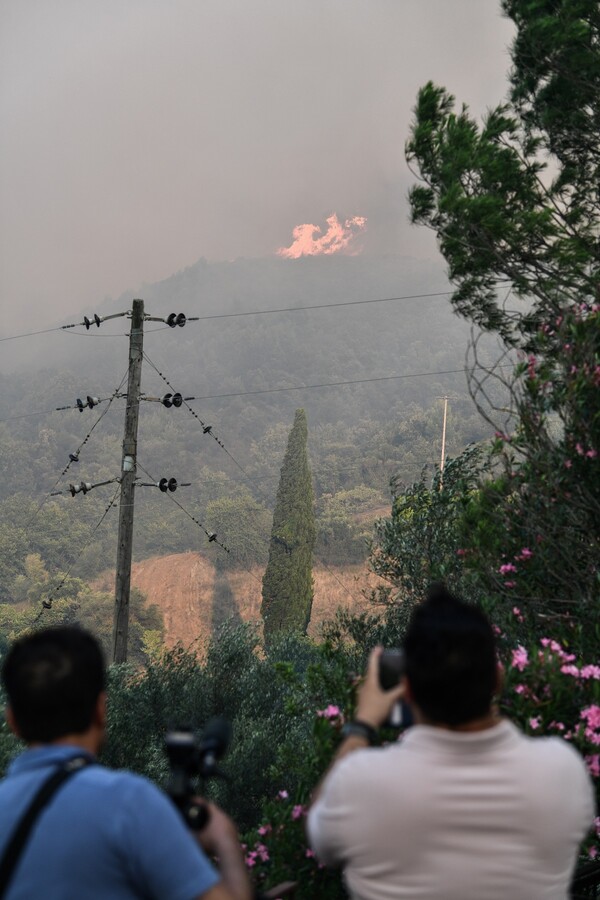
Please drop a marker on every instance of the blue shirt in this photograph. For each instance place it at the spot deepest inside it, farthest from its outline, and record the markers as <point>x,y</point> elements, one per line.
<point>105,834</point>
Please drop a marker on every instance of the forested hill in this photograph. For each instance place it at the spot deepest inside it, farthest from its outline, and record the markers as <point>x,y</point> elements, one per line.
<point>359,434</point>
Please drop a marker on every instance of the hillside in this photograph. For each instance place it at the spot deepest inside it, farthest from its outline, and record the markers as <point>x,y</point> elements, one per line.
<point>194,598</point>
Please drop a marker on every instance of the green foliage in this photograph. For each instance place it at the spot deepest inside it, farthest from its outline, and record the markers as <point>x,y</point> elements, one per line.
<point>421,542</point>
<point>549,689</point>
<point>74,601</point>
<point>269,701</point>
<point>514,202</point>
<point>532,533</point>
<point>517,198</point>
<point>344,526</point>
<point>287,583</point>
<point>243,525</point>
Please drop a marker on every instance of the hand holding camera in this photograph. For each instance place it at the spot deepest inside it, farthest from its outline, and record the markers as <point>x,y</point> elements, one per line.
<point>192,758</point>
<point>382,688</point>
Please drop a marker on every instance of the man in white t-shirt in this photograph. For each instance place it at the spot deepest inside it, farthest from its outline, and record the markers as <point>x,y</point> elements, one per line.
<point>464,806</point>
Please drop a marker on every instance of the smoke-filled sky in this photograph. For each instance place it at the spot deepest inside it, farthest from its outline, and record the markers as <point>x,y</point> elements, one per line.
<point>137,136</point>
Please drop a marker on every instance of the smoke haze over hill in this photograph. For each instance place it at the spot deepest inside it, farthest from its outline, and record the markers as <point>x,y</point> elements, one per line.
<point>138,137</point>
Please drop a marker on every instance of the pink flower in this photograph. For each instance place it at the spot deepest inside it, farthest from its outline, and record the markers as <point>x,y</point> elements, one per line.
<point>506,568</point>
<point>520,658</point>
<point>262,852</point>
<point>520,689</point>
<point>526,553</point>
<point>579,449</point>
<point>510,584</point>
<point>251,860</point>
<point>592,715</point>
<point>535,722</point>
<point>570,670</point>
<point>283,795</point>
<point>330,712</point>
<point>590,672</point>
<point>264,829</point>
<point>298,811</point>
<point>593,764</point>
<point>593,852</point>
<point>591,454</point>
<point>568,464</point>
<point>309,854</point>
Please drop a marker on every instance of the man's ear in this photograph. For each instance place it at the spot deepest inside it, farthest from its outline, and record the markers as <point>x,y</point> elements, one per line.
<point>100,711</point>
<point>11,721</point>
<point>499,679</point>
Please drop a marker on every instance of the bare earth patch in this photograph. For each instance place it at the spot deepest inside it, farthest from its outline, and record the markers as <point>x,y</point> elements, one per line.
<point>194,598</point>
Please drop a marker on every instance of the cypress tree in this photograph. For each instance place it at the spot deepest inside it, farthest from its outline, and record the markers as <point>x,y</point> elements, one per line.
<point>287,592</point>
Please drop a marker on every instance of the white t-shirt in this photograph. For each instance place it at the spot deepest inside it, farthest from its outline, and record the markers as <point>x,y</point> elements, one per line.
<point>446,815</point>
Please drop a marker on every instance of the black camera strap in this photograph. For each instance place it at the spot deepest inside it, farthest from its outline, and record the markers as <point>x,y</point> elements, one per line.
<point>19,837</point>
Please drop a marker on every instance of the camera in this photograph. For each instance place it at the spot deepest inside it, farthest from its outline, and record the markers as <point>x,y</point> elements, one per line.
<point>191,758</point>
<point>392,666</point>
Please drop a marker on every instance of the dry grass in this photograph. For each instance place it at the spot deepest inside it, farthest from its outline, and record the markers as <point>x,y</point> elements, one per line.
<point>194,598</point>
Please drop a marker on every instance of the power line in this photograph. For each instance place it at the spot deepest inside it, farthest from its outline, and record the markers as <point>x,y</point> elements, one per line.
<point>74,457</point>
<point>286,309</point>
<point>242,470</point>
<point>235,315</point>
<point>325,384</point>
<point>212,537</point>
<point>298,387</point>
<point>41,412</point>
<point>14,337</point>
<point>47,604</point>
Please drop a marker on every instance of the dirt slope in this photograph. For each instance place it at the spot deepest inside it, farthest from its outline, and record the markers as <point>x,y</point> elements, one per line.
<point>194,598</point>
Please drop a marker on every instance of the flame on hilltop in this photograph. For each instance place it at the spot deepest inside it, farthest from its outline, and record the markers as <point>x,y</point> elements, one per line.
<point>310,241</point>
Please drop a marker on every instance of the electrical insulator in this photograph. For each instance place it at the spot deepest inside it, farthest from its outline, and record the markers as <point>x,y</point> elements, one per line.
<point>47,604</point>
<point>170,400</point>
<point>82,488</point>
<point>167,484</point>
<point>174,319</point>
<point>74,457</point>
<point>212,536</point>
<point>87,322</point>
<point>90,402</point>
<point>207,429</point>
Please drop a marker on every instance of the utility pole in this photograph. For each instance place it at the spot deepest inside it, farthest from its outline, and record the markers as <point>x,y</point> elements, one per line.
<point>445,399</point>
<point>128,476</point>
<point>444,434</point>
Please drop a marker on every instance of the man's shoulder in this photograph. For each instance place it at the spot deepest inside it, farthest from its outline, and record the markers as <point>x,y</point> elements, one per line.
<point>120,781</point>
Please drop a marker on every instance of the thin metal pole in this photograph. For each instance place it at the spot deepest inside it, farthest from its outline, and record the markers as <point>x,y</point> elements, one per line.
<point>443,457</point>
<point>128,475</point>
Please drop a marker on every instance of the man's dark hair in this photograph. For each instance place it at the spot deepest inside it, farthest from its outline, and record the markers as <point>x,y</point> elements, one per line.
<point>450,658</point>
<point>53,679</point>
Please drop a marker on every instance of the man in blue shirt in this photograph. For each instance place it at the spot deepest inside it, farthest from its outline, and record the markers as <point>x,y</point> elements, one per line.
<point>104,834</point>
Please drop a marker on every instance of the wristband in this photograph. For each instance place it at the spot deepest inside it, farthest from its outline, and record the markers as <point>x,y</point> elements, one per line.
<point>356,728</point>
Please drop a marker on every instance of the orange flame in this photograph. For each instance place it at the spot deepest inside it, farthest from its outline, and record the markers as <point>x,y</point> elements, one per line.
<point>337,238</point>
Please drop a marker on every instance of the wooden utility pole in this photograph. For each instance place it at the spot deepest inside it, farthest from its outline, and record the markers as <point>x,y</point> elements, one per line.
<point>128,475</point>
